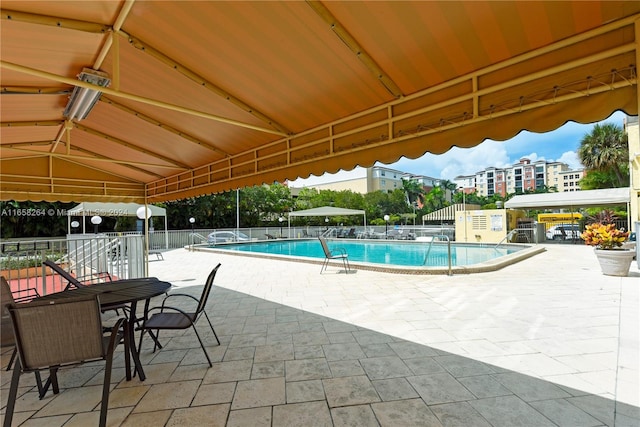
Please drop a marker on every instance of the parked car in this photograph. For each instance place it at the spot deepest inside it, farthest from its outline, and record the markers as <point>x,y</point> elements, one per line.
<point>563,232</point>
<point>226,237</point>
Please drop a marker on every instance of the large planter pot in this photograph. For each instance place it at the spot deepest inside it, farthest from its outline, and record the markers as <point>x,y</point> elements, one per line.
<point>615,262</point>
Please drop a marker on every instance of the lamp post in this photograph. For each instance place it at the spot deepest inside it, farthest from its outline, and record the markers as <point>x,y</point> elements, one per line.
<point>96,220</point>
<point>280,220</point>
<point>386,226</point>
<point>192,221</point>
<point>74,226</point>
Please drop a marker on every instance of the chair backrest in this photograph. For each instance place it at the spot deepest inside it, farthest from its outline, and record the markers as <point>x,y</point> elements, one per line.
<point>64,273</point>
<point>45,338</point>
<point>207,290</point>
<point>325,248</point>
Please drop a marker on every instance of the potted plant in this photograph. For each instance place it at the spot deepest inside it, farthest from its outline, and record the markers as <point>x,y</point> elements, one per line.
<point>608,240</point>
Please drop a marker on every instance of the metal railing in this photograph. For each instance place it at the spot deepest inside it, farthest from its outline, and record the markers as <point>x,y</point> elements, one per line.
<point>87,257</point>
<point>426,257</point>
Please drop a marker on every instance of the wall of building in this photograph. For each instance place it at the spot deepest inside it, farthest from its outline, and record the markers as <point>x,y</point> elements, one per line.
<point>633,135</point>
<point>485,226</point>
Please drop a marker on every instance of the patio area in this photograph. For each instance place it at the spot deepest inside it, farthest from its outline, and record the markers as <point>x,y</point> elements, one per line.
<point>549,341</point>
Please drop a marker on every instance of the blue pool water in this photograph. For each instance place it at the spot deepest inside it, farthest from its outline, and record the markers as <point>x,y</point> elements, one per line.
<point>410,254</point>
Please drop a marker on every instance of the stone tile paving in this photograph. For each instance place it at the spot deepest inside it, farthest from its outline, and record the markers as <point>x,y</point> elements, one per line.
<point>525,346</point>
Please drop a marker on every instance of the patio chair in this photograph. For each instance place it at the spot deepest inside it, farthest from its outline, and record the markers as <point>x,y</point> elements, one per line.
<point>72,281</point>
<point>76,283</point>
<point>270,236</point>
<point>173,318</point>
<point>10,297</point>
<point>338,253</point>
<point>45,341</point>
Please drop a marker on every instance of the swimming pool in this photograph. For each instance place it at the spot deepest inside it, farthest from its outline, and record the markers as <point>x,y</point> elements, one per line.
<point>388,254</point>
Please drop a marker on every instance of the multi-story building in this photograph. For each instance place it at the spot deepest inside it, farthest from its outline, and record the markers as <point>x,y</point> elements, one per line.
<point>520,177</point>
<point>570,180</point>
<point>376,178</point>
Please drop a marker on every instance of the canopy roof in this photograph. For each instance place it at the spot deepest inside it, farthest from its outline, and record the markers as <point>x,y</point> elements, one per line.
<point>449,213</point>
<point>112,209</point>
<point>572,199</point>
<point>327,211</point>
<point>207,96</point>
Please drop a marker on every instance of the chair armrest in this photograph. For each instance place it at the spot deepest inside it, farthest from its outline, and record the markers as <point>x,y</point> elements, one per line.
<point>115,336</point>
<point>179,295</point>
<point>340,251</point>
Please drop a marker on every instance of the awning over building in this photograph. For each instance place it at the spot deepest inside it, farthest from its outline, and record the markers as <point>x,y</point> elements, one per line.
<point>449,213</point>
<point>221,95</point>
<point>571,199</point>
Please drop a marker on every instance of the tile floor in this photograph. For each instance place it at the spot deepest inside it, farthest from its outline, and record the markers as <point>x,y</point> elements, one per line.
<point>548,341</point>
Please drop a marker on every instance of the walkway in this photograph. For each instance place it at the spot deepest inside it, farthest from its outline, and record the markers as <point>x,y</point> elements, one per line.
<point>546,342</point>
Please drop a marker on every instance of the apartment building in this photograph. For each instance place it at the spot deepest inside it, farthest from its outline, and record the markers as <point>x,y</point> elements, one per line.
<point>570,180</point>
<point>376,178</point>
<point>522,176</point>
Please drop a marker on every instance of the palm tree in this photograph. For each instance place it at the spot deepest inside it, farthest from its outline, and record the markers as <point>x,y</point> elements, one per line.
<point>605,149</point>
<point>414,191</point>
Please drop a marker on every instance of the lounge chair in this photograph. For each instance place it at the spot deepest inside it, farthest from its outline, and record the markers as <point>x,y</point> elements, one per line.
<point>76,283</point>
<point>45,341</point>
<point>176,319</point>
<point>270,237</point>
<point>338,253</point>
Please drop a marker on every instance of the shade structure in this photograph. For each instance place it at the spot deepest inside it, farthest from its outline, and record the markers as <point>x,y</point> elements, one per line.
<point>208,96</point>
<point>449,213</point>
<point>572,199</point>
<point>112,209</point>
<point>328,211</point>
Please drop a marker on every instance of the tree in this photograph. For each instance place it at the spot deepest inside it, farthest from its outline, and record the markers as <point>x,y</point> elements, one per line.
<point>606,149</point>
<point>414,191</point>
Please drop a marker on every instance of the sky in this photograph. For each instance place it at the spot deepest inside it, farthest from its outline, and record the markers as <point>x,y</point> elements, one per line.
<point>559,145</point>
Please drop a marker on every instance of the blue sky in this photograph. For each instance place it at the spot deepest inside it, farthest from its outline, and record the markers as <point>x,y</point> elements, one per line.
<point>559,145</point>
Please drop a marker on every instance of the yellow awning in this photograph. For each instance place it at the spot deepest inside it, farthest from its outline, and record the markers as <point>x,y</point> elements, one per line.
<point>208,96</point>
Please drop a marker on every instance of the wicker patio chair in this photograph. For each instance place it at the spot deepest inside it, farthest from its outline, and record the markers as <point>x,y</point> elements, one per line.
<point>173,318</point>
<point>45,341</point>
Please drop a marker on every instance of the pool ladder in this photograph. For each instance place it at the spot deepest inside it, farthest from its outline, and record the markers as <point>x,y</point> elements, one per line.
<point>448,250</point>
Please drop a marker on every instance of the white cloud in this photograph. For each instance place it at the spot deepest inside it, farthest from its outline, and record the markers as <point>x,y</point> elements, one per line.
<point>571,158</point>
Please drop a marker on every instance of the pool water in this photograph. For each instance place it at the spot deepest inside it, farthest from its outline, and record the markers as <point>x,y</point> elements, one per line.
<point>411,254</point>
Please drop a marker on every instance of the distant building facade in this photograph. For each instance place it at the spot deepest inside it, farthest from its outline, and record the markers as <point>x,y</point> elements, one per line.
<point>378,178</point>
<point>521,177</point>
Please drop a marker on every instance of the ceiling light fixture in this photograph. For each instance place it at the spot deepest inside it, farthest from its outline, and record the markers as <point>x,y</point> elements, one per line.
<point>83,99</point>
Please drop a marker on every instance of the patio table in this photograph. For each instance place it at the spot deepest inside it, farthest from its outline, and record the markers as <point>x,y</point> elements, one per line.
<point>119,292</point>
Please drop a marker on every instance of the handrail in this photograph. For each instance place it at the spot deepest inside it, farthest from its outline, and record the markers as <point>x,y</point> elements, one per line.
<point>515,230</point>
<point>448,250</point>
<point>328,232</point>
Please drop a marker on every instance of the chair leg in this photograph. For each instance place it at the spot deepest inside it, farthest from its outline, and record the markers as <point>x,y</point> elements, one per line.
<point>13,394</point>
<point>212,330</point>
<point>104,407</point>
<point>13,358</point>
<point>201,344</point>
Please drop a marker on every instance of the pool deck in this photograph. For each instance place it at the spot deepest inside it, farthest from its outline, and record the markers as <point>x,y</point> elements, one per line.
<point>547,341</point>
